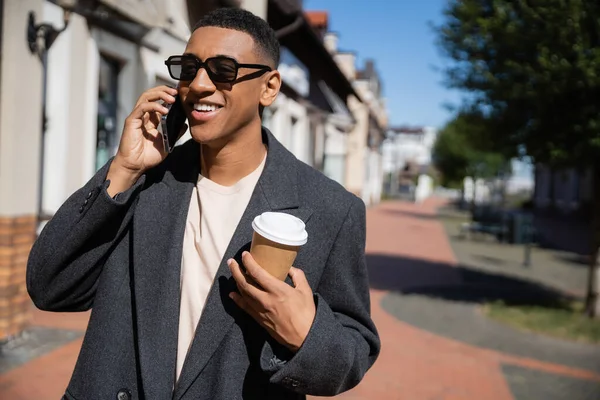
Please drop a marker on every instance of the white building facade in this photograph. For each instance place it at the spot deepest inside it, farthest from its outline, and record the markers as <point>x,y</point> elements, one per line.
<point>408,149</point>
<point>288,117</point>
<point>408,145</point>
<point>94,79</point>
<point>360,144</point>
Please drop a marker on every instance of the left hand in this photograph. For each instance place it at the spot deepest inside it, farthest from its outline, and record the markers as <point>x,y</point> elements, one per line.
<point>286,312</point>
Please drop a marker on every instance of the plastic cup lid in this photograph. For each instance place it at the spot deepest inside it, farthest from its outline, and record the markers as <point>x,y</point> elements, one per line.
<point>281,228</point>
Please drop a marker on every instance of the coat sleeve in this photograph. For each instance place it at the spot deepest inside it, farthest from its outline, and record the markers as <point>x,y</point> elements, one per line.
<point>342,343</point>
<point>66,259</point>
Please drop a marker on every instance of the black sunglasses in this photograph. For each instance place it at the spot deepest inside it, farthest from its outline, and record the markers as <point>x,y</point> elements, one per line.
<point>220,69</point>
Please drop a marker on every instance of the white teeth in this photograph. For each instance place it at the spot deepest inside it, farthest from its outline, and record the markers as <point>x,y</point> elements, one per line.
<point>205,107</point>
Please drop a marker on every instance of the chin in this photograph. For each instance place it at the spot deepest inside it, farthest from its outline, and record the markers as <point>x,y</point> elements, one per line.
<point>205,135</point>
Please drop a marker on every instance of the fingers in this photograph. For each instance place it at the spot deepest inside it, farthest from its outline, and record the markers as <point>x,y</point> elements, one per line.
<point>163,93</point>
<point>239,300</point>
<point>243,304</point>
<point>267,281</point>
<point>299,279</point>
<point>154,119</point>
<point>244,283</point>
<point>147,107</point>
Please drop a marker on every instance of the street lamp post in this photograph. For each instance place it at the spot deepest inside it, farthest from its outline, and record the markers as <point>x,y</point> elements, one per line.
<point>40,37</point>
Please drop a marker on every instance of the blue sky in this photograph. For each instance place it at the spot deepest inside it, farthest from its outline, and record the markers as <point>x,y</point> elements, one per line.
<point>397,35</point>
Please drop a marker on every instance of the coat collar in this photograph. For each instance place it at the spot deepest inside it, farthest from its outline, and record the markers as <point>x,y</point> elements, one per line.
<point>158,230</point>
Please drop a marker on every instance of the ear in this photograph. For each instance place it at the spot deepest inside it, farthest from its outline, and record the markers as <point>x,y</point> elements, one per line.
<point>270,89</point>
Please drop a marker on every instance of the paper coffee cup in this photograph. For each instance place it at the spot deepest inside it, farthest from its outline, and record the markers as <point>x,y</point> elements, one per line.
<point>276,240</point>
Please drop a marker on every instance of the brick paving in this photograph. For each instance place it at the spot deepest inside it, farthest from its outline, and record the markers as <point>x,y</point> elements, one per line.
<point>414,364</point>
<point>47,376</point>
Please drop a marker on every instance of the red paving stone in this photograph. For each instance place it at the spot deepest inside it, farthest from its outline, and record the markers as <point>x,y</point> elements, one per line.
<point>413,365</point>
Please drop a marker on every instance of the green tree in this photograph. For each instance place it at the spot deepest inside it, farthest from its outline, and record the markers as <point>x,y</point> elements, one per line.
<point>459,151</point>
<point>533,67</point>
<point>449,159</point>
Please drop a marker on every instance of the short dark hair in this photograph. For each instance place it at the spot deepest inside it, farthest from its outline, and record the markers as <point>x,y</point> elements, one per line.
<point>244,21</point>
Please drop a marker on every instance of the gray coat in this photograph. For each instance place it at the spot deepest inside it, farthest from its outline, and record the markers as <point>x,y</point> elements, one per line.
<point>122,257</point>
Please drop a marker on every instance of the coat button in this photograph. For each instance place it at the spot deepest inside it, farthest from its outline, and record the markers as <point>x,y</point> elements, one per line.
<point>291,382</point>
<point>89,196</point>
<point>81,209</point>
<point>124,394</point>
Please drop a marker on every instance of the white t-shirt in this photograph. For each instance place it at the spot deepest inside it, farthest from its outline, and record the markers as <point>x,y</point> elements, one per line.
<point>214,214</point>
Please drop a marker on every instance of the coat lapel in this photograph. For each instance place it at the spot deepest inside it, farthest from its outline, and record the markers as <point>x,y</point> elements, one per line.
<point>158,229</point>
<point>276,190</point>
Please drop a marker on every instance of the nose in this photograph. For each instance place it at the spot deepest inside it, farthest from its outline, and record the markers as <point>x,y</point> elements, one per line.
<point>202,82</point>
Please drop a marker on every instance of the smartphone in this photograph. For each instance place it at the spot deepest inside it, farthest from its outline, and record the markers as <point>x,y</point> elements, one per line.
<point>172,124</point>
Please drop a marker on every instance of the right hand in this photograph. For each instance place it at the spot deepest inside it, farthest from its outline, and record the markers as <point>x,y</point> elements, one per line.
<point>141,146</point>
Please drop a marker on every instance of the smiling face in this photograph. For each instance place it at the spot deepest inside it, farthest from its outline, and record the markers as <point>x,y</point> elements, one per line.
<point>217,112</point>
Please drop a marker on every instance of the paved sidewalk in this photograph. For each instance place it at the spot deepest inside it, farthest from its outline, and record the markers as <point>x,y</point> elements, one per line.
<point>415,276</point>
<point>555,269</point>
<point>46,377</point>
<point>407,249</point>
<point>415,364</point>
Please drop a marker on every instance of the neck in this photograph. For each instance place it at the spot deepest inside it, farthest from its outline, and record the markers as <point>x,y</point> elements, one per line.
<point>227,164</point>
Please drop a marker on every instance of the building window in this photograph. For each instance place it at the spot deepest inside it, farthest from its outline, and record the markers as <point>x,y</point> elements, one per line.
<point>107,139</point>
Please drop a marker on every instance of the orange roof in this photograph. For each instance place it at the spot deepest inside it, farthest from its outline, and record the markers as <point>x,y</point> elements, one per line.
<point>318,19</point>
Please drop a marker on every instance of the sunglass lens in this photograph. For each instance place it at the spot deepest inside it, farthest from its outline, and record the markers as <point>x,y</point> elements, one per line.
<point>222,69</point>
<point>174,65</point>
<point>182,68</point>
<point>188,69</point>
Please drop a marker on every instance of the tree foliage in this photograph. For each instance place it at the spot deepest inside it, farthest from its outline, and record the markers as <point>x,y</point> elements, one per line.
<point>459,151</point>
<point>534,67</point>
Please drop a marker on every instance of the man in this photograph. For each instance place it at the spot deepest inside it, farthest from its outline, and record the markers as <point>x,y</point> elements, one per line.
<point>153,244</point>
